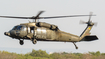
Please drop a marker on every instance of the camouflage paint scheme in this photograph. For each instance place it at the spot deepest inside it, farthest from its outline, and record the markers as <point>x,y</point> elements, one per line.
<point>42,31</point>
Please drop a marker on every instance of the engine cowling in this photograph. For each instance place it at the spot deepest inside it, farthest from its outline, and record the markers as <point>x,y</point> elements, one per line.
<point>50,26</point>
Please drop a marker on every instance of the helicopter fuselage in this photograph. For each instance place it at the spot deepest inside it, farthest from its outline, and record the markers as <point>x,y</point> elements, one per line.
<point>42,33</point>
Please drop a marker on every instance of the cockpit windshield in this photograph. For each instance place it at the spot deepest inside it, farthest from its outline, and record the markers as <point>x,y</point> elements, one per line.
<point>19,27</point>
<point>14,28</point>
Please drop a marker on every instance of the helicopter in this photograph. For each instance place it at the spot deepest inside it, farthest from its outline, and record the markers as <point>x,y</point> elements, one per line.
<point>42,31</point>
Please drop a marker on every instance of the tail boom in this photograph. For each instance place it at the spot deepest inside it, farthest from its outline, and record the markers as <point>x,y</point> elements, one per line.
<point>86,32</point>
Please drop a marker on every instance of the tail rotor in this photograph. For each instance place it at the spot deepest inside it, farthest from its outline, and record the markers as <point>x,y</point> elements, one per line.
<point>89,23</point>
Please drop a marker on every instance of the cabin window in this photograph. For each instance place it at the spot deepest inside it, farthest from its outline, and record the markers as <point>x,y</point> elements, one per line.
<point>32,29</point>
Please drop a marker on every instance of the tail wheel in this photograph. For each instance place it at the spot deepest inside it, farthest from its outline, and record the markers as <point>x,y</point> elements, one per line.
<point>34,41</point>
<point>21,42</point>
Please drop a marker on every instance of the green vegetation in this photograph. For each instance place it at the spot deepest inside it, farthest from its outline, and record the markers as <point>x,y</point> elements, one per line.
<point>39,54</point>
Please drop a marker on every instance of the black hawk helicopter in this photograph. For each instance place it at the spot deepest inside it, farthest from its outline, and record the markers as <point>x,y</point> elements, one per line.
<point>41,31</point>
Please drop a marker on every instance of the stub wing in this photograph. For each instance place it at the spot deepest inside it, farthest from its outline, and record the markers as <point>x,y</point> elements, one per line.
<point>90,38</point>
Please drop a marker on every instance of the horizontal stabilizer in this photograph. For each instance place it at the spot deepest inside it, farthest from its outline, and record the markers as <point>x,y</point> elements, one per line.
<point>90,38</point>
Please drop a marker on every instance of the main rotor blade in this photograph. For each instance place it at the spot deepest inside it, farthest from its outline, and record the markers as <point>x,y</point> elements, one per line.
<point>44,17</point>
<point>37,16</point>
<point>16,17</point>
<point>64,16</point>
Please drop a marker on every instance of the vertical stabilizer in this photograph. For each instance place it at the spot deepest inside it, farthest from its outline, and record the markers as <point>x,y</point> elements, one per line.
<point>86,32</point>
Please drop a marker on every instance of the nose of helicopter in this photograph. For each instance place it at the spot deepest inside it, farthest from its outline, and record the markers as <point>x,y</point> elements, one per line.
<point>10,33</point>
<point>7,33</point>
<point>14,33</point>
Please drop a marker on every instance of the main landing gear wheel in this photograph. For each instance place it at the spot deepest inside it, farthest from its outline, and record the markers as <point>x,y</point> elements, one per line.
<point>21,42</point>
<point>34,41</point>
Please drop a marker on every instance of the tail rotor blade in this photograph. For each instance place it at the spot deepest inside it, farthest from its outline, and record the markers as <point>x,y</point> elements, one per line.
<point>95,23</point>
<point>82,22</point>
<point>90,16</point>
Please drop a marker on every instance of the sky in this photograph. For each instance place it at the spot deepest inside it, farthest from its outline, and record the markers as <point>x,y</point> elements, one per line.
<point>53,8</point>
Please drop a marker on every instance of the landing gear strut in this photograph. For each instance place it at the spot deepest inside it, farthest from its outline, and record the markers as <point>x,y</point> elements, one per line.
<point>34,41</point>
<point>21,42</point>
<point>75,45</point>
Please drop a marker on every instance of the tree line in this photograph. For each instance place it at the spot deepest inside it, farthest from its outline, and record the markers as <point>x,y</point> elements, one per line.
<point>40,54</point>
